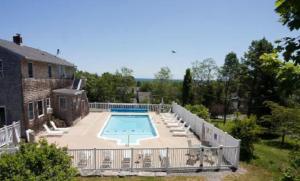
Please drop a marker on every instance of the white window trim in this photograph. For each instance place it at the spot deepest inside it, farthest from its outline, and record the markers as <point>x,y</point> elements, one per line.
<point>2,69</point>
<point>62,109</point>
<point>32,110</point>
<point>39,116</point>
<point>48,99</point>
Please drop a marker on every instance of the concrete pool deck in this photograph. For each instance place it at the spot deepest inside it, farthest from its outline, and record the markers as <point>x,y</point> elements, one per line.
<point>83,135</point>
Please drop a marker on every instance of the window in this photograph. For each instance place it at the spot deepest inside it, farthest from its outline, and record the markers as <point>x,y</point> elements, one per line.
<point>49,71</point>
<point>62,103</point>
<point>48,103</point>
<point>40,108</point>
<point>1,69</point>
<point>2,117</point>
<point>62,71</point>
<point>30,111</point>
<point>30,70</point>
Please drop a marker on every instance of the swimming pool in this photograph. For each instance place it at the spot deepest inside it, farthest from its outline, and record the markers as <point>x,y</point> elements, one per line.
<point>128,128</point>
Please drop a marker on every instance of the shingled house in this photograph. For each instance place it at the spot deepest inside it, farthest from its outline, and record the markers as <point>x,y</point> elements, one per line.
<point>35,84</point>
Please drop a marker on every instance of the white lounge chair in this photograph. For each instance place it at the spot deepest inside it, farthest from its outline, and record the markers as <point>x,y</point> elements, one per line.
<point>180,133</point>
<point>179,128</point>
<point>65,130</point>
<point>52,133</point>
<point>168,116</point>
<point>173,121</point>
<point>173,124</point>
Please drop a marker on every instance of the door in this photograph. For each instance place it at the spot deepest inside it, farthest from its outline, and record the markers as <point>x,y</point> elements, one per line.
<point>2,116</point>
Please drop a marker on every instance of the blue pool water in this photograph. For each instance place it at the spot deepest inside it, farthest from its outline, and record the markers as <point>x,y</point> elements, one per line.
<point>137,127</point>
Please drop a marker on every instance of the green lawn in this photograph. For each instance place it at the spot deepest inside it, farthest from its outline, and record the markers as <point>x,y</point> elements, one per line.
<point>270,160</point>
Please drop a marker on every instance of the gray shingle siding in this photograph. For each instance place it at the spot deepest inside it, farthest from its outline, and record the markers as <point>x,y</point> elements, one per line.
<point>11,86</point>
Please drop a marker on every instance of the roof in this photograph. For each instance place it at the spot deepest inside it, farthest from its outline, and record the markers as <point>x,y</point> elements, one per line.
<point>68,91</point>
<point>33,54</point>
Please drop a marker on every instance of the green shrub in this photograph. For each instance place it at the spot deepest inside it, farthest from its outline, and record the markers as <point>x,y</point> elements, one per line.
<point>246,130</point>
<point>37,161</point>
<point>199,110</point>
<point>292,173</point>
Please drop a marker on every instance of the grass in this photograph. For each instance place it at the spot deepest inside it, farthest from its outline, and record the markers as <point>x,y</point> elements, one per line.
<point>177,178</point>
<point>271,158</point>
<point>268,164</point>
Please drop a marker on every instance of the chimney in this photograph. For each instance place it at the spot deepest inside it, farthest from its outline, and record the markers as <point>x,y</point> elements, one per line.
<point>17,39</point>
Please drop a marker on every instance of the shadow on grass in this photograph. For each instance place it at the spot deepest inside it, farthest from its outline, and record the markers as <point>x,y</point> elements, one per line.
<point>278,144</point>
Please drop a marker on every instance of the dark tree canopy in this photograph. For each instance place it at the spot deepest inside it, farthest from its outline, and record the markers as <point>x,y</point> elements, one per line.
<point>258,83</point>
<point>289,12</point>
<point>187,88</point>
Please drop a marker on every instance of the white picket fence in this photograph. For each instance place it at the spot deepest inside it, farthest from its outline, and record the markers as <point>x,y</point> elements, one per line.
<point>97,106</point>
<point>10,134</point>
<point>210,134</point>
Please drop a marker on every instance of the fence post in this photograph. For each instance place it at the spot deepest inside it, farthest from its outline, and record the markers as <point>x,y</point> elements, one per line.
<point>201,156</point>
<point>220,156</point>
<point>95,160</point>
<point>6,135</point>
<point>167,160</point>
<point>236,165</point>
<point>131,160</point>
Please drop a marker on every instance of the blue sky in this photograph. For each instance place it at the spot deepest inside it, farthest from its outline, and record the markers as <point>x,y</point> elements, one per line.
<point>102,36</point>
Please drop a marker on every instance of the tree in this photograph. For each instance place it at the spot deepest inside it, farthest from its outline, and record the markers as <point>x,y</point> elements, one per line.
<point>162,85</point>
<point>37,161</point>
<point>284,120</point>
<point>187,88</point>
<point>229,72</point>
<point>164,74</point>
<point>260,85</point>
<point>204,75</point>
<point>126,72</point>
<point>247,131</point>
<point>289,12</point>
<point>205,70</point>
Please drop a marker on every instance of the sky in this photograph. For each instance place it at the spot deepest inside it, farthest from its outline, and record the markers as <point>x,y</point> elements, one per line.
<point>103,36</point>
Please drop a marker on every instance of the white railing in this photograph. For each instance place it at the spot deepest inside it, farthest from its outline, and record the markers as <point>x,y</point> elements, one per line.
<point>9,134</point>
<point>97,106</point>
<point>210,134</point>
<point>151,159</point>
